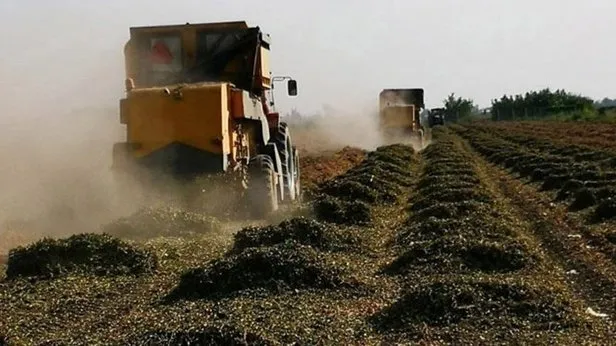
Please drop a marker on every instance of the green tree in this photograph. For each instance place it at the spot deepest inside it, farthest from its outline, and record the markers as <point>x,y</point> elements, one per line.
<point>458,108</point>
<point>539,104</point>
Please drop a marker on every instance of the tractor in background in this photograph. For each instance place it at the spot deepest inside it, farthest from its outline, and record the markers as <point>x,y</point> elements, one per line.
<point>436,116</point>
<point>399,114</point>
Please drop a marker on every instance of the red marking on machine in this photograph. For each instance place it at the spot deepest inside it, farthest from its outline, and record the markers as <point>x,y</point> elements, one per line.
<point>166,54</point>
<point>161,53</point>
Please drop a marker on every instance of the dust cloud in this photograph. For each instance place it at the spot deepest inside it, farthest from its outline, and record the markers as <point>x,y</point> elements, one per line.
<point>56,178</point>
<point>334,129</point>
<point>57,129</point>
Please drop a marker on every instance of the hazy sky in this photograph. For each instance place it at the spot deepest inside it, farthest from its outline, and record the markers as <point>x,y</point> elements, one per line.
<point>341,52</point>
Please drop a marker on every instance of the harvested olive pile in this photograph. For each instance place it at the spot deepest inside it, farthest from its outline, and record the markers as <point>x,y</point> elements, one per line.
<point>379,179</point>
<point>98,254</point>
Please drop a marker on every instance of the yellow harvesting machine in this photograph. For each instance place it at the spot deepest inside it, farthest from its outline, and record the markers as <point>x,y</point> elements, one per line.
<point>197,102</point>
<point>399,114</point>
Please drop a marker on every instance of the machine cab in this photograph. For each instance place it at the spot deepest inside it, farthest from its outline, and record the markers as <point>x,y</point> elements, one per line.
<point>200,53</point>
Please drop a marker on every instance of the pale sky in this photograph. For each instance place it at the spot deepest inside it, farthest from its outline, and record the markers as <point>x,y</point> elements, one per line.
<point>65,54</point>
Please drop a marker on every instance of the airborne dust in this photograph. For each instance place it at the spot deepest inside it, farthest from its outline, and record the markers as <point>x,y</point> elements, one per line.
<point>56,147</point>
<point>334,129</point>
<point>56,178</point>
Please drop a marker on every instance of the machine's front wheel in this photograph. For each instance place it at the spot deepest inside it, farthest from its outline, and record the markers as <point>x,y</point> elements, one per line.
<point>283,142</point>
<point>421,138</point>
<point>297,176</point>
<point>262,192</point>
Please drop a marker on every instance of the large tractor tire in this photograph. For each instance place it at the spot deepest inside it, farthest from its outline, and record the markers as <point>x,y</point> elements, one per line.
<point>262,195</point>
<point>421,137</point>
<point>282,138</point>
<point>271,150</point>
<point>297,176</point>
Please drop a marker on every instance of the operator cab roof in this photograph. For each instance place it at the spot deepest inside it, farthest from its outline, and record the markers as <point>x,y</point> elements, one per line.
<point>216,26</point>
<point>226,25</point>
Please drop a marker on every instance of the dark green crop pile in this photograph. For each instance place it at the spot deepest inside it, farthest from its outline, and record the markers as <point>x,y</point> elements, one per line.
<point>322,236</point>
<point>605,210</point>
<point>494,305</point>
<point>453,254</point>
<point>456,229</point>
<point>153,222</point>
<point>273,269</point>
<point>381,178</point>
<point>471,227</point>
<point>95,254</point>
<point>331,209</point>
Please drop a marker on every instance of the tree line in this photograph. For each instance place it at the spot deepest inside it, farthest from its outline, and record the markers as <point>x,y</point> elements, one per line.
<point>539,104</point>
<point>530,105</point>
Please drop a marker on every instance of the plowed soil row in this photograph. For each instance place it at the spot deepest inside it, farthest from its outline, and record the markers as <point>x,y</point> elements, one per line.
<point>603,156</point>
<point>317,168</point>
<point>583,186</point>
<point>597,135</point>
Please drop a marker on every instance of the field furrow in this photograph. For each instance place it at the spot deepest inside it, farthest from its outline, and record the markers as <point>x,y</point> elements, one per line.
<point>595,135</point>
<point>468,260</point>
<point>584,188</point>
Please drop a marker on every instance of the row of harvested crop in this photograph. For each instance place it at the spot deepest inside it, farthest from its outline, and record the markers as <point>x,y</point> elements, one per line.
<point>465,267</point>
<point>453,224</point>
<point>586,136</point>
<point>298,254</point>
<point>381,178</point>
<point>577,153</point>
<point>583,182</point>
<point>293,254</point>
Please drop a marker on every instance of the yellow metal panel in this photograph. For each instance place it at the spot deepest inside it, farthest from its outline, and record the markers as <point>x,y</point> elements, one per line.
<point>199,118</point>
<point>400,116</point>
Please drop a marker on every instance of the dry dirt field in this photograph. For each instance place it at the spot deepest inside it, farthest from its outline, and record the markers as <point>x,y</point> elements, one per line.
<point>496,233</point>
